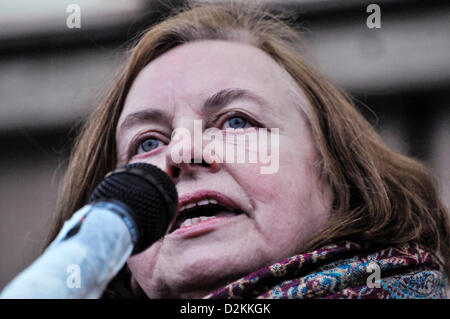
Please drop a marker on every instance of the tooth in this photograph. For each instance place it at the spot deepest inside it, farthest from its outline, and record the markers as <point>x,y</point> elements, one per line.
<point>190,205</point>
<point>187,222</point>
<point>213,201</point>
<point>195,220</point>
<point>203,202</point>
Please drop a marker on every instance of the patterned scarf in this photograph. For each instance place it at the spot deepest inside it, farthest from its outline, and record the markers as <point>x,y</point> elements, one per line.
<point>345,270</point>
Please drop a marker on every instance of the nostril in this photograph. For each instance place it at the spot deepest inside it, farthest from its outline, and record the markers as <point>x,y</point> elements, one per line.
<point>202,163</point>
<point>174,172</point>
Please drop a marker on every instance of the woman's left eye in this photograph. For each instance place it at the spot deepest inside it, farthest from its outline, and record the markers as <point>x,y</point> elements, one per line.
<point>236,122</point>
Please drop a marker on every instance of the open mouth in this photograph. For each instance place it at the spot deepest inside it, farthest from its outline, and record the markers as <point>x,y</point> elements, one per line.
<point>195,210</point>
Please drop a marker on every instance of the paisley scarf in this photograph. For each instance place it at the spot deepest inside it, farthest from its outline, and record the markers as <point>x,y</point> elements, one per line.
<point>345,270</point>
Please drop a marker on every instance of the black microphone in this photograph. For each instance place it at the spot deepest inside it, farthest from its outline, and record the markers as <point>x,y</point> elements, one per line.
<point>150,195</point>
<point>127,212</point>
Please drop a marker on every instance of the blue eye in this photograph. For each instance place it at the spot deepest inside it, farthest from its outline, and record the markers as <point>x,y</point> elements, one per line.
<point>148,145</point>
<point>237,122</point>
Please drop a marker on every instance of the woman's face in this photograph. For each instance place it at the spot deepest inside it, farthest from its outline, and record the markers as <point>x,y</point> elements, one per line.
<point>250,219</point>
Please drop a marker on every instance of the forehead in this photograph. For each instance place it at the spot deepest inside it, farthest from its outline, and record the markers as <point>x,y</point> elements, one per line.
<point>199,69</point>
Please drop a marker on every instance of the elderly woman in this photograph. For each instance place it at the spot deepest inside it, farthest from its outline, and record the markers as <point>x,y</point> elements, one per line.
<point>340,216</point>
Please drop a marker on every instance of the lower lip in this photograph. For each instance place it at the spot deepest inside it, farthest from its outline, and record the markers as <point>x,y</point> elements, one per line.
<point>201,228</point>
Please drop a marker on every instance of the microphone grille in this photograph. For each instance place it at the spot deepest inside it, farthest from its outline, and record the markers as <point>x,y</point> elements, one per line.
<point>148,192</point>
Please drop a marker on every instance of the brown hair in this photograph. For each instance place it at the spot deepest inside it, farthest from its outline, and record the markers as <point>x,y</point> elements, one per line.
<point>380,197</point>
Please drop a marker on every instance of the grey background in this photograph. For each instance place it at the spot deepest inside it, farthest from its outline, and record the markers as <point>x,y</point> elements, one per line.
<point>51,76</point>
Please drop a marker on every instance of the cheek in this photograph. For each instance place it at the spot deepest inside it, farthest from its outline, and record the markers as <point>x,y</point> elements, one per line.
<point>158,159</point>
<point>287,201</point>
<point>258,187</point>
<point>294,178</point>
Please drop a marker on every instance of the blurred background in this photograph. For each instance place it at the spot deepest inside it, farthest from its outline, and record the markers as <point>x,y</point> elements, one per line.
<point>51,76</point>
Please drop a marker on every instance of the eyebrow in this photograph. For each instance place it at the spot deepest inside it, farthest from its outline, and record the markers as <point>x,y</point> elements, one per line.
<point>226,96</point>
<point>213,103</point>
<point>145,116</point>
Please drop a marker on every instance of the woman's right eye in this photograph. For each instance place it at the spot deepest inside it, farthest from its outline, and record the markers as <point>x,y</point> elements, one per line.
<point>148,145</point>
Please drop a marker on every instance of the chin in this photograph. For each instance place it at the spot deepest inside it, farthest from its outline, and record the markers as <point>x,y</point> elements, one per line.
<point>203,273</point>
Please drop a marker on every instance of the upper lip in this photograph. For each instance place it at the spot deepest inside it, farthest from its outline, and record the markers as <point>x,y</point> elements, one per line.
<point>200,195</point>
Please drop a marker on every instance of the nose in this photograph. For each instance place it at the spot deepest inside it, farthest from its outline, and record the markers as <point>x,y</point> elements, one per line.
<point>185,157</point>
